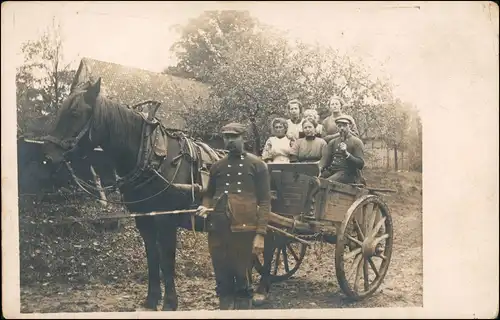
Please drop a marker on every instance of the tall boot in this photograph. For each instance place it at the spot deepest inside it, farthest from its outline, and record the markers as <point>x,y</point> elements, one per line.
<point>226,303</point>
<point>259,298</point>
<point>243,303</point>
<point>261,294</point>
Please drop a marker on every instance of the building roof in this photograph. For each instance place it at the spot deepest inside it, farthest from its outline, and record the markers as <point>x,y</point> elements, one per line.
<point>131,86</point>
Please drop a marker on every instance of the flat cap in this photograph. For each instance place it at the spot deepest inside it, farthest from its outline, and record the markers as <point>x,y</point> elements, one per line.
<point>234,128</point>
<point>344,119</point>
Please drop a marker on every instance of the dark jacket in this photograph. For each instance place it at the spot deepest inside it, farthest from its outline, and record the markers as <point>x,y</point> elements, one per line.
<point>334,160</point>
<point>239,186</point>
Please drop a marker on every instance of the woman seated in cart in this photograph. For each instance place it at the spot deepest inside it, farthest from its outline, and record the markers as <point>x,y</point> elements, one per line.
<point>313,116</point>
<point>277,148</point>
<point>310,148</point>
<point>343,158</point>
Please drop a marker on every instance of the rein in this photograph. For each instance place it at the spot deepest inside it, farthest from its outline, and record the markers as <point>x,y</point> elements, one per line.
<point>130,177</point>
<point>78,180</point>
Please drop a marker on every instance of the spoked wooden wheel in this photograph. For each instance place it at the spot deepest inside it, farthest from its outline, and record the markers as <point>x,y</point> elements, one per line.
<point>364,247</point>
<point>286,259</point>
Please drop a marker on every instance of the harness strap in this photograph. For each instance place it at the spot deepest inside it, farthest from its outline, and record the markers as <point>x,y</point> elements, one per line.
<point>193,150</point>
<point>194,159</point>
<point>72,143</point>
<point>169,184</point>
<point>142,160</point>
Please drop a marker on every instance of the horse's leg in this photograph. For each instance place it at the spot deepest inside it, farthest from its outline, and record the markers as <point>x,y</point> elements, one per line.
<point>148,231</point>
<point>168,245</point>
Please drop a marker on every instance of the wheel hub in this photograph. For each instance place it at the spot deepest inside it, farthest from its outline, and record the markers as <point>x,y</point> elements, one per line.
<point>371,248</point>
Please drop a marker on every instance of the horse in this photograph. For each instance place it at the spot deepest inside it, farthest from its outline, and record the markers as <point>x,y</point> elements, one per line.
<point>151,178</point>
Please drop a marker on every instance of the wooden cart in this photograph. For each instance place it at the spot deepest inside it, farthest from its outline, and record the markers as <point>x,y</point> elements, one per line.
<point>353,217</point>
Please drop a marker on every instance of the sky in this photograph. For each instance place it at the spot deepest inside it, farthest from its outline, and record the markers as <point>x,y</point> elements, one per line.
<point>409,42</point>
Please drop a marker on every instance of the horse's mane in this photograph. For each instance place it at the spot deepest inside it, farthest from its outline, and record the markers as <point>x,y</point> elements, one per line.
<point>118,122</point>
<point>111,119</point>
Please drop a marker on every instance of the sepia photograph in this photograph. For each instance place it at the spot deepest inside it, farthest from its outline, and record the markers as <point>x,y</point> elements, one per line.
<point>250,159</point>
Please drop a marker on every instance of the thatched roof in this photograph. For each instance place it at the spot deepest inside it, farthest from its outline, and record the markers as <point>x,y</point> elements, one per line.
<point>132,85</point>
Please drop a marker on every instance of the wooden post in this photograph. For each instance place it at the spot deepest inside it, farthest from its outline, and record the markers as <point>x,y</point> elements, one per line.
<point>97,181</point>
<point>387,158</point>
<point>396,159</point>
<point>402,157</point>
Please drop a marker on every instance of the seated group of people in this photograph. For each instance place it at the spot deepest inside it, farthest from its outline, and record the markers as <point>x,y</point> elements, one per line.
<point>333,144</point>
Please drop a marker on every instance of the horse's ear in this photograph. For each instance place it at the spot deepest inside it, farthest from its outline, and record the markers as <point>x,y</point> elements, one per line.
<point>93,90</point>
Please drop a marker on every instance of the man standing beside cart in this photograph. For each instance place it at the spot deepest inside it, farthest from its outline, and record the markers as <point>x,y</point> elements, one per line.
<point>239,193</point>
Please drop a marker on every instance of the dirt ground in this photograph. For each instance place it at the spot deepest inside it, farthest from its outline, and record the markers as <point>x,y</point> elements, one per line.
<point>110,276</point>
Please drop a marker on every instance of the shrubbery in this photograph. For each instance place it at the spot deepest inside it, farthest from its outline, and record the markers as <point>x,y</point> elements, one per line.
<point>83,252</point>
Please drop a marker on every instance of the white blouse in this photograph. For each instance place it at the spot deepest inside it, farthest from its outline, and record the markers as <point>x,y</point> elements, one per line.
<point>277,150</point>
<point>294,129</point>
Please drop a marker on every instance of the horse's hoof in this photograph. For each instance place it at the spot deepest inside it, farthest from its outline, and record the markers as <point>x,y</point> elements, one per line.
<point>168,308</point>
<point>151,304</point>
<point>259,299</point>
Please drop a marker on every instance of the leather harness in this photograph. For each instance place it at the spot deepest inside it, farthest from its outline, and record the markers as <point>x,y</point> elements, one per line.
<point>150,157</point>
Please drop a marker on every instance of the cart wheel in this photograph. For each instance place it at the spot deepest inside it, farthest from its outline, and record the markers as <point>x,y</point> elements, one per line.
<point>287,258</point>
<point>364,247</point>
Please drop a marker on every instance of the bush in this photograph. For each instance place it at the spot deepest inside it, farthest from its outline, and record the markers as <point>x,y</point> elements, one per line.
<point>83,252</point>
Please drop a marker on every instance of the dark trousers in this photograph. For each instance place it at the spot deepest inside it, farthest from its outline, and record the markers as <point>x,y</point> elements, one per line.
<point>231,254</point>
<point>340,176</point>
<point>344,177</point>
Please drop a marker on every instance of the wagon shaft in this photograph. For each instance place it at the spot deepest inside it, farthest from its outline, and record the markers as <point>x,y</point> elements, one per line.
<point>282,221</point>
<point>290,235</point>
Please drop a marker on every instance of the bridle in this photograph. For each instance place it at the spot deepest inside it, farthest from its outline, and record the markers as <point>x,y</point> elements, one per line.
<point>71,144</point>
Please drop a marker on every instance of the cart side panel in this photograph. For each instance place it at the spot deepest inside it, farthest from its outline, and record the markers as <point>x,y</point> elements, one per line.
<point>292,193</point>
<point>335,199</point>
<point>293,186</point>
<point>336,206</point>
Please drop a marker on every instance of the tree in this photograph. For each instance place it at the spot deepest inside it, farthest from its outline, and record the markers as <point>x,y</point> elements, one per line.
<point>254,71</point>
<point>323,72</point>
<point>257,78</point>
<point>203,38</point>
<point>396,130</point>
<point>250,87</point>
<point>415,141</point>
<point>43,81</point>
<point>26,97</point>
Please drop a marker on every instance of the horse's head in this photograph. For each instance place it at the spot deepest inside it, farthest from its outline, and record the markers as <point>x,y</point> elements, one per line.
<point>72,129</point>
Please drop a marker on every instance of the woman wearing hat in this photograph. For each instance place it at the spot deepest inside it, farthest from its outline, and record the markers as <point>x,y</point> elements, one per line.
<point>277,148</point>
